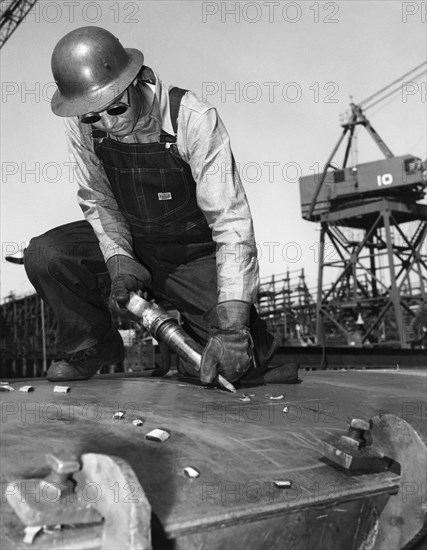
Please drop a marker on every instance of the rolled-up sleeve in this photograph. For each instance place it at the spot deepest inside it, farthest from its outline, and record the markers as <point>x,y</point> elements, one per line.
<point>95,196</point>
<point>222,199</point>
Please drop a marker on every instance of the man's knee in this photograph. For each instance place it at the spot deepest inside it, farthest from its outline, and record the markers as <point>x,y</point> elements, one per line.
<point>41,251</point>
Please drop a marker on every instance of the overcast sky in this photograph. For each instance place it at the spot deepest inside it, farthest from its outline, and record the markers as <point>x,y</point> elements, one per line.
<point>279,73</point>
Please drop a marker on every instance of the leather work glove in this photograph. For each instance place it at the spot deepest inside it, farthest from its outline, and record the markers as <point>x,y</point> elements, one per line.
<point>127,275</point>
<point>229,348</point>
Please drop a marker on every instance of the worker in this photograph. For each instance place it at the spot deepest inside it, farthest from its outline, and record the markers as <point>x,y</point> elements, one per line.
<point>165,213</point>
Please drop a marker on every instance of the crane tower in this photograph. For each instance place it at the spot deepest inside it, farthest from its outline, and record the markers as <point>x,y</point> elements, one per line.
<point>373,227</point>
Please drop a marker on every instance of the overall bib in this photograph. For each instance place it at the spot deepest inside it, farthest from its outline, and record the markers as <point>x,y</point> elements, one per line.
<point>156,193</point>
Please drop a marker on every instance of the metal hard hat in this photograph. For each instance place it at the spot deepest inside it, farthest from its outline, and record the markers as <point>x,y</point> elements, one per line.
<point>91,68</point>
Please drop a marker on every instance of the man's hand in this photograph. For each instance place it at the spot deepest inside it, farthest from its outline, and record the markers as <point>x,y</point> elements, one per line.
<point>127,275</point>
<point>229,349</point>
<point>121,287</point>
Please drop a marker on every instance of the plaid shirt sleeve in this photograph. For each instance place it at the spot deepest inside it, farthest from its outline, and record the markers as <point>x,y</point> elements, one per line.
<point>204,143</point>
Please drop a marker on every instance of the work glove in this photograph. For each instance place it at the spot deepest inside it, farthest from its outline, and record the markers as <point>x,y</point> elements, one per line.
<point>229,350</point>
<point>127,275</point>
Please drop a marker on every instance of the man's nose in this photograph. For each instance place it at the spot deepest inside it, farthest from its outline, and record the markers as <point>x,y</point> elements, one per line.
<point>109,121</point>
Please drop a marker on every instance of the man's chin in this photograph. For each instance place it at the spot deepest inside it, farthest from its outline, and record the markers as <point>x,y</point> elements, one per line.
<point>120,132</point>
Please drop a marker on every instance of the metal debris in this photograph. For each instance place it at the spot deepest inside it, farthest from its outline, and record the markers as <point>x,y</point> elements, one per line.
<point>283,483</point>
<point>245,398</point>
<point>191,472</point>
<point>158,434</point>
<point>3,387</point>
<point>26,388</point>
<point>61,389</point>
<point>274,397</point>
<point>138,422</point>
<point>31,532</point>
<point>118,415</point>
<point>50,529</point>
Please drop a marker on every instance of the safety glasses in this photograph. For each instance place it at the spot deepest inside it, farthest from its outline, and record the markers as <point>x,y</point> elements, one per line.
<point>115,109</point>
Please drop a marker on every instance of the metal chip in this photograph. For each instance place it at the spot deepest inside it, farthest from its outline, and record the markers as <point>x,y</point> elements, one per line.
<point>51,529</point>
<point>158,434</point>
<point>138,422</point>
<point>191,472</point>
<point>283,483</point>
<point>245,398</point>
<point>285,409</point>
<point>274,397</point>
<point>31,532</point>
<point>3,387</point>
<point>26,388</point>
<point>118,415</point>
<point>61,389</point>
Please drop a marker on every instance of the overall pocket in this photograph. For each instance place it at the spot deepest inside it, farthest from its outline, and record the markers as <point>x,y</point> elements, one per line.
<point>152,195</point>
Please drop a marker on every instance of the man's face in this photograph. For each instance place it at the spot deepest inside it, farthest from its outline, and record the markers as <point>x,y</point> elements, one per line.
<point>121,125</point>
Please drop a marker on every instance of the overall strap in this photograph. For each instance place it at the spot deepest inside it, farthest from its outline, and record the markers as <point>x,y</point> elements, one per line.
<point>175,96</point>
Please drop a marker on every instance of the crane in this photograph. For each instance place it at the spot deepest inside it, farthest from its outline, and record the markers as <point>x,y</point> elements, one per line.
<point>377,263</point>
<point>12,14</point>
<point>323,194</point>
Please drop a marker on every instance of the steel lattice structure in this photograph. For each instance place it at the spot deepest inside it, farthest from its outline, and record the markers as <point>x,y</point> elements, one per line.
<point>380,278</point>
<point>13,12</point>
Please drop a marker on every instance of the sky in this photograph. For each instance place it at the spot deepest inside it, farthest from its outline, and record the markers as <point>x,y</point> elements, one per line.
<point>279,73</point>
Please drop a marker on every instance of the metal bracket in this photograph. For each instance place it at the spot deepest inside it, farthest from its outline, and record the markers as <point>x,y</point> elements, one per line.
<point>352,451</point>
<point>99,489</point>
<point>374,446</point>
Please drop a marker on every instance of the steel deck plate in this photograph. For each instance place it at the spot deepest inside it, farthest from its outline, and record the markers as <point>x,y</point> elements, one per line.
<point>240,448</point>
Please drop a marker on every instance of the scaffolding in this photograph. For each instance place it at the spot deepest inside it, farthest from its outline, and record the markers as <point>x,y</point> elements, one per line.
<point>288,306</point>
<point>27,337</point>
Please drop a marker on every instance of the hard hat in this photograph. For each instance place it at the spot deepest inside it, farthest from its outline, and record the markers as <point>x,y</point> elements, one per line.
<point>91,68</point>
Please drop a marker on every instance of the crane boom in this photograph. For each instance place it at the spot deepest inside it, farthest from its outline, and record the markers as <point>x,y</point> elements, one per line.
<point>12,14</point>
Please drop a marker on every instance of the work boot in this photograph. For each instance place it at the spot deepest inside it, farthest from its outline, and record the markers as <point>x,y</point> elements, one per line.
<point>282,374</point>
<point>275,374</point>
<point>84,364</point>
